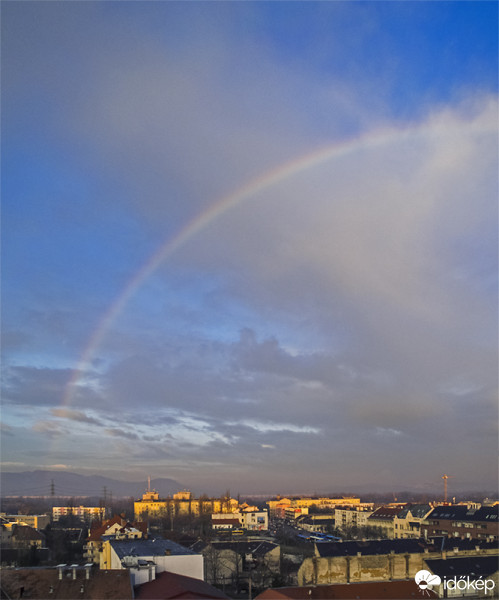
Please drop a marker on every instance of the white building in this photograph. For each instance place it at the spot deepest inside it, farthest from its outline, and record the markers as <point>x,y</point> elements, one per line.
<point>351,517</point>
<point>226,520</point>
<point>147,557</point>
<point>87,513</point>
<point>256,520</point>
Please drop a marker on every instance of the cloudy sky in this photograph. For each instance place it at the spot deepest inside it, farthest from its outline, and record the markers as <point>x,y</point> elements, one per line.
<point>251,245</point>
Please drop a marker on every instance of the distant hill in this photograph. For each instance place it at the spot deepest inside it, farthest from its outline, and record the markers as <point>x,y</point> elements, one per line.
<point>38,483</point>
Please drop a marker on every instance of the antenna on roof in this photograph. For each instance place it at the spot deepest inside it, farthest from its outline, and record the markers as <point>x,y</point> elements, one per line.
<point>148,483</point>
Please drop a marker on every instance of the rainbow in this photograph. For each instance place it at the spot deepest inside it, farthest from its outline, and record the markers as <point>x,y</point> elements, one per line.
<point>200,222</point>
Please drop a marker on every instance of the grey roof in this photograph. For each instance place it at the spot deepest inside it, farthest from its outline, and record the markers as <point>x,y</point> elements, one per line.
<point>461,512</point>
<point>479,566</point>
<point>149,547</point>
<point>370,547</point>
<point>418,511</point>
<point>450,543</point>
<point>242,547</point>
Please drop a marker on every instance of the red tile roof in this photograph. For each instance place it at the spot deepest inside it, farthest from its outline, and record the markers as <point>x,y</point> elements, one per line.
<point>37,583</point>
<point>27,533</point>
<point>97,530</point>
<point>168,586</point>
<point>376,590</point>
<point>385,512</point>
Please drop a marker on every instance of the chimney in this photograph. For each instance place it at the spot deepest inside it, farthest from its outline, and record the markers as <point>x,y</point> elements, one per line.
<point>168,552</point>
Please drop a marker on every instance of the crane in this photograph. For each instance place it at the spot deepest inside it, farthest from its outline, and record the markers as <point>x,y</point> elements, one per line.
<point>445,477</point>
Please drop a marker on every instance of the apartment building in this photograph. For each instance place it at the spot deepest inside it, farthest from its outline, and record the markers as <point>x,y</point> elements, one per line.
<point>347,517</point>
<point>35,521</point>
<point>87,513</point>
<point>460,521</point>
<point>181,504</point>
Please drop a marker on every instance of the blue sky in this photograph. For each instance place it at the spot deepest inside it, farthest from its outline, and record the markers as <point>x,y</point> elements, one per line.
<point>337,328</point>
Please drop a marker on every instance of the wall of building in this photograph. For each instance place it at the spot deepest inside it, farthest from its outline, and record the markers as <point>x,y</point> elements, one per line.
<point>349,569</point>
<point>461,529</point>
<point>181,507</point>
<point>190,565</point>
<point>382,567</point>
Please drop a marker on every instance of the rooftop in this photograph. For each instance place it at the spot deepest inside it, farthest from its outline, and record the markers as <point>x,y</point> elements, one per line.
<point>463,513</point>
<point>40,584</point>
<point>387,513</point>
<point>150,547</point>
<point>479,566</point>
<point>370,547</point>
<point>247,547</point>
<point>167,586</point>
<point>378,590</point>
<point>418,511</point>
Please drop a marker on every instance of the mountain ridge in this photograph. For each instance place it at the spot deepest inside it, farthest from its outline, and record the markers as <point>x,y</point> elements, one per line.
<point>66,483</point>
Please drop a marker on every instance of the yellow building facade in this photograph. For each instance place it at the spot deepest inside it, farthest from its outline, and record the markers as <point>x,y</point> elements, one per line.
<point>181,504</point>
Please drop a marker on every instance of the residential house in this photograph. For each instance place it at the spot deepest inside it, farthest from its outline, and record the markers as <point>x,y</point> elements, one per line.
<point>118,528</point>
<point>407,522</point>
<point>24,537</point>
<point>232,562</point>
<point>384,519</point>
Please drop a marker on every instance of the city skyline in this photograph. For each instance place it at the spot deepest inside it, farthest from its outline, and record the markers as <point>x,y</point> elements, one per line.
<point>251,244</point>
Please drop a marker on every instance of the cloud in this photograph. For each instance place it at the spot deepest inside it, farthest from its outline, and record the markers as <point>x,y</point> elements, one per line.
<point>116,432</point>
<point>348,310</point>
<point>74,415</point>
<point>6,429</point>
<point>48,428</point>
